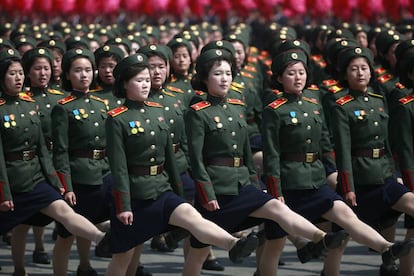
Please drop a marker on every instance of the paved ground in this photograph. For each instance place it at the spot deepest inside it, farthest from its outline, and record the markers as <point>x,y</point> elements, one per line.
<point>358,260</point>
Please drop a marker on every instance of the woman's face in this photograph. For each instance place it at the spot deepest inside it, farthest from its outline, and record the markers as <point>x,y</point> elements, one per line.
<point>158,71</point>
<point>239,54</point>
<point>294,78</point>
<point>219,79</point>
<point>14,79</point>
<point>105,70</point>
<point>181,60</point>
<point>40,72</point>
<point>362,39</point>
<point>80,74</point>
<point>57,64</point>
<point>358,74</point>
<point>138,87</point>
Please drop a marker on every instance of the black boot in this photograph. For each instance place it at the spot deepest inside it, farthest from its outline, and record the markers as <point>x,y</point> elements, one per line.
<point>396,251</point>
<point>173,237</point>
<point>243,248</point>
<point>158,243</point>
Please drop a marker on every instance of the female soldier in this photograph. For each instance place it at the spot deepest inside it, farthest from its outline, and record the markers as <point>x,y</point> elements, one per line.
<point>363,156</point>
<point>25,162</point>
<point>219,147</point>
<point>142,160</point>
<point>296,141</point>
<point>78,125</point>
<point>58,48</point>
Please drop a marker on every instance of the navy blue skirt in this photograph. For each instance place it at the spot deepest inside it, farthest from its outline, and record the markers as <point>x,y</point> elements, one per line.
<point>27,206</point>
<point>92,201</point>
<point>234,213</point>
<point>256,143</point>
<point>151,217</point>
<point>312,203</point>
<point>375,202</point>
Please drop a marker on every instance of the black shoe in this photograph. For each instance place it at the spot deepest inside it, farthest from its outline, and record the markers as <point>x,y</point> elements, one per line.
<point>393,271</point>
<point>214,265</point>
<point>103,248</point>
<point>243,248</point>
<point>142,272</point>
<point>281,263</point>
<point>159,244</point>
<point>173,237</point>
<point>396,251</point>
<point>89,272</point>
<point>40,257</point>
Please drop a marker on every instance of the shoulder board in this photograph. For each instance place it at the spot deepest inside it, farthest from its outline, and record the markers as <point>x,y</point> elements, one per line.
<point>322,63</point>
<point>168,93</point>
<point>97,89</point>
<point>98,99</point>
<point>246,74</point>
<point>116,111</point>
<point>29,93</point>
<point>252,59</point>
<point>173,79</point>
<point>313,87</point>
<point>277,103</point>
<point>277,92</point>
<point>335,88</point>
<point>54,91</point>
<point>316,57</point>
<point>407,99</point>
<point>311,100</point>
<point>199,92</point>
<point>253,50</point>
<point>235,101</point>
<point>235,88</point>
<point>399,85</point>
<point>264,53</point>
<point>380,70</point>
<point>375,95</point>
<point>174,89</point>
<point>250,68</point>
<point>268,62</point>
<point>23,96</point>
<point>200,105</point>
<point>238,85</point>
<point>345,99</point>
<point>2,101</point>
<point>153,104</point>
<point>329,82</point>
<point>385,78</point>
<point>67,99</point>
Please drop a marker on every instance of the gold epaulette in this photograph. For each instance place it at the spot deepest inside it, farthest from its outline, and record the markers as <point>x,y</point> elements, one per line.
<point>238,85</point>
<point>97,89</point>
<point>253,50</point>
<point>250,68</point>
<point>277,92</point>
<point>313,87</point>
<point>385,78</point>
<point>153,104</point>
<point>277,103</point>
<point>329,82</point>
<point>335,88</point>
<point>54,91</point>
<point>116,111</point>
<point>93,97</point>
<point>399,85</point>
<point>311,100</point>
<point>174,89</point>
<point>268,63</point>
<point>200,105</point>
<point>235,101</point>
<point>345,99</point>
<point>407,99</point>
<point>246,74</point>
<point>2,101</point>
<point>23,96</point>
<point>375,95</point>
<point>168,93</point>
<point>67,99</point>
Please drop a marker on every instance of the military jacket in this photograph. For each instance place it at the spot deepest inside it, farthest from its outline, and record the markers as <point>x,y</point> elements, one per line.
<point>138,135</point>
<point>180,85</point>
<point>21,133</point>
<point>106,92</point>
<point>294,128</point>
<point>360,124</point>
<point>216,129</point>
<point>78,125</point>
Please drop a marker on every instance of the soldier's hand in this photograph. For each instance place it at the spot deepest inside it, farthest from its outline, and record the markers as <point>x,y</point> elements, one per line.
<point>70,198</point>
<point>350,198</point>
<point>126,217</point>
<point>212,205</point>
<point>7,206</point>
<point>281,198</point>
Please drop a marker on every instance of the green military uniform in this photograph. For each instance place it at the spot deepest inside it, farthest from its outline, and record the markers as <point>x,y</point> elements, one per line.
<point>140,149</point>
<point>105,91</point>
<point>79,139</point>
<point>25,160</point>
<point>180,85</point>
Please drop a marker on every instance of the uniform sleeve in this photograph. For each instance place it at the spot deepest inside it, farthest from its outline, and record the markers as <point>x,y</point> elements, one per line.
<point>402,129</point>
<point>47,163</point>
<point>342,140</point>
<point>5,192</point>
<point>248,159</point>
<point>271,152</point>
<point>172,170</point>
<point>60,134</point>
<point>117,160</point>
<point>195,136</point>
<point>328,155</point>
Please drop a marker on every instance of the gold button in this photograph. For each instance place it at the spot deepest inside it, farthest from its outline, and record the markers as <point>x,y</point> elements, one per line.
<point>118,102</point>
<point>224,106</point>
<point>171,121</point>
<point>26,143</point>
<point>230,119</point>
<point>308,127</point>
<point>96,124</point>
<point>16,102</point>
<point>233,133</point>
<point>299,102</point>
<point>152,132</point>
<point>47,105</point>
<point>161,97</point>
<point>142,110</point>
<point>44,95</point>
<point>147,121</point>
<point>96,138</point>
<point>167,108</point>
<point>305,114</point>
<point>152,159</point>
<point>92,111</point>
<point>376,137</point>
<point>26,129</point>
<point>152,146</point>
<point>375,123</point>
<point>234,146</point>
<point>86,100</point>
<point>172,135</point>
<point>22,115</point>
<point>309,141</point>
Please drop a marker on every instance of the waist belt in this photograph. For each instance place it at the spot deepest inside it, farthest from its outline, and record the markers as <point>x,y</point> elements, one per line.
<point>142,170</point>
<point>309,157</point>
<point>95,154</point>
<point>370,153</point>
<point>25,155</point>
<point>176,147</point>
<point>223,161</point>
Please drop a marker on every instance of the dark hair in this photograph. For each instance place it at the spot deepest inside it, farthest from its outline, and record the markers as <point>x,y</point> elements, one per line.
<point>342,72</point>
<point>174,49</point>
<point>131,71</point>
<point>4,66</point>
<point>66,84</point>
<point>277,85</point>
<point>99,58</point>
<point>203,71</point>
<point>29,59</point>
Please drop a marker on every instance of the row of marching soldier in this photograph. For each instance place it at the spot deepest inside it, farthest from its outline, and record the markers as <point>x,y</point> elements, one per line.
<point>203,139</point>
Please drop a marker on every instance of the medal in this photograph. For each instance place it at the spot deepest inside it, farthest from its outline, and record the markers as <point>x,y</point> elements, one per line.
<point>13,122</point>
<point>294,120</point>
<point>6,121</point>
<point>358,114</point>
<point>76,113</point>
<point>141,129</point>
<point>217,120</point>
<point>134,130</point>
<point>6,124</point>
<point>84,115</point>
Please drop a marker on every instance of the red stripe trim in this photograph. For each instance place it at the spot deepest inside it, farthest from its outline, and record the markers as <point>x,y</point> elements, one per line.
<point>271,185</point>
<point>408,180</point>
<point>201,193</point>
<point>118,201</point>
<point>2,196</point>
<point>344,182</point>
<point>61,177</point>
